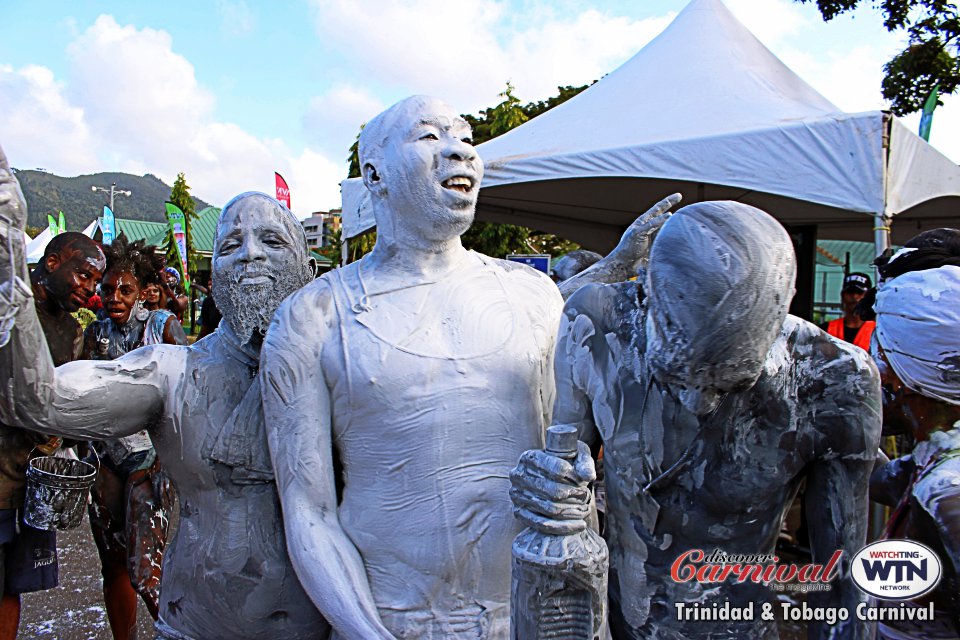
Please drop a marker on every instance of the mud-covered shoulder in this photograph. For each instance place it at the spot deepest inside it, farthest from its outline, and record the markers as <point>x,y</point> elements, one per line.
<point>530,285</point>
<point>309,310</point>
<point>611,307</point>
<point>839,387</point>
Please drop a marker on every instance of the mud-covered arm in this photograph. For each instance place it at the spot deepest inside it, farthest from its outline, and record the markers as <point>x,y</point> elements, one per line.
<point>297,411</point>
<point>548,493</point>
<point>890,481</point>
<point>631,253</point>
<point>848,417</point>
<point>82,399</point>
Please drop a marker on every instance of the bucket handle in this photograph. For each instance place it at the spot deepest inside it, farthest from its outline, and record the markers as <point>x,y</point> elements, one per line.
<point>30,456</point>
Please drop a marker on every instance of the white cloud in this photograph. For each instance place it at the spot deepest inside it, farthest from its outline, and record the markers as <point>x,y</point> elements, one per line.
<point>131,103</point>
<point>137,92</point>
<point>236,17</point>
<point>467,57</point>
<point>770,20</point>
<point>39,123</point>
<point>333,119</point>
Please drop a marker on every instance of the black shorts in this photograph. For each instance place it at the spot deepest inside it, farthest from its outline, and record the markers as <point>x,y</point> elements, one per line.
<point>28,556</point>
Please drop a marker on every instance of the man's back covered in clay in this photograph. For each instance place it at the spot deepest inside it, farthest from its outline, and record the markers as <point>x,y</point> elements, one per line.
<point>425,370</point>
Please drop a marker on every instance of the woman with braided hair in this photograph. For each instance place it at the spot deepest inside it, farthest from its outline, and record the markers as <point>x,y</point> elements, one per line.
<point>132,496</point>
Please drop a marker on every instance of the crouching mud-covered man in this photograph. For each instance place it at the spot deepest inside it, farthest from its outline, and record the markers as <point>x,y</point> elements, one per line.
<point>226,574</point>
<point>712,405</point>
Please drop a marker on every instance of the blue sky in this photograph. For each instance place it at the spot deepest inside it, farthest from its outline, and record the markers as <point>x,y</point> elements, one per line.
<point>230,90</point>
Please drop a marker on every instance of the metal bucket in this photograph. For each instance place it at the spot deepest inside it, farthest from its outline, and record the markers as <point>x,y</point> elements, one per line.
<point>56,492</point>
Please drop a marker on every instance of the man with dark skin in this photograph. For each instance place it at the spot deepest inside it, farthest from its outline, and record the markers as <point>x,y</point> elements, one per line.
<point>61,283</point>
<point>712,405</point>
<point>176,300</point>
<point>850,326</point>
<point>226,574</point>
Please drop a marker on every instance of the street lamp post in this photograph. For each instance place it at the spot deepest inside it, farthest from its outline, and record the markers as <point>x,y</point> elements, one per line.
<point>112,191</point>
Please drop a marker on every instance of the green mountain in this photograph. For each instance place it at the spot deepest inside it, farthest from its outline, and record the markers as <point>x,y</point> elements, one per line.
<point>47,193</point>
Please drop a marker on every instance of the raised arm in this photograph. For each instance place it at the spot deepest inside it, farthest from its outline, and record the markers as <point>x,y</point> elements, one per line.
<point>848,420</point>
<point>631,253</point>
<point>297,411</point>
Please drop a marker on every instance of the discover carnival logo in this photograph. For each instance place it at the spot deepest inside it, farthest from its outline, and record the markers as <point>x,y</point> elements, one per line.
<point>895,569</point>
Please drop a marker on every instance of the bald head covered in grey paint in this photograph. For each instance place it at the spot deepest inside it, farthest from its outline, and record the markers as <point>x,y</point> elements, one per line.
<point>260,257</point>
<point>418,162</point>
<point>719,286</point>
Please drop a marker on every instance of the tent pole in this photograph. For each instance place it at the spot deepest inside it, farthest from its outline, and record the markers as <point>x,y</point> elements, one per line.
<point>881,233</point>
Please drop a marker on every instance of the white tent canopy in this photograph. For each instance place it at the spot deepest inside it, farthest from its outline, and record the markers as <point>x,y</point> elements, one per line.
<point>705,109</point>
<point>38,245</point>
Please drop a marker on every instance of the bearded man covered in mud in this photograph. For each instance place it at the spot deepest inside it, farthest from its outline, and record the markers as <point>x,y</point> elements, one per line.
<point>712,405</point>
<point>226,574</point>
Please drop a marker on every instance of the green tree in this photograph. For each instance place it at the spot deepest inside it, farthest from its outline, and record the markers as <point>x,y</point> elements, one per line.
<point>353,160</point>
<point>180,196</point>
<point>32,231</point>
<point>498,240</point>
<point>931,57</point>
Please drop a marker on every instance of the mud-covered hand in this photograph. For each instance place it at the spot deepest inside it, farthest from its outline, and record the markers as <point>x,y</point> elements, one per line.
<point>13,207</point>
<point>633,250</point>
<point>550,494</point>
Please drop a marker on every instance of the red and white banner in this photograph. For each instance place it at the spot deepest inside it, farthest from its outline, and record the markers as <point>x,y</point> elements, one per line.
<point>283,191</point>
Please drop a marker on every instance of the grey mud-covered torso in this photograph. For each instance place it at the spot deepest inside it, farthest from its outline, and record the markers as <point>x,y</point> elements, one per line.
<point>675,482</point>
<point>226,571</point>
<point>428,425</point>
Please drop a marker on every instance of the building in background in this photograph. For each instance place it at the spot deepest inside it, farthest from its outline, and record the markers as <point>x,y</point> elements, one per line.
<point>321,227</point>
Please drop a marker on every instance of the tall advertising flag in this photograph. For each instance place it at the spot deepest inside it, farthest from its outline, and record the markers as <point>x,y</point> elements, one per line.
<point>926,119</point>
<point>61,224</point>
<point>52,225</point>
<point>283,191</point>
<point>178,228</point>
<point>109,226</point>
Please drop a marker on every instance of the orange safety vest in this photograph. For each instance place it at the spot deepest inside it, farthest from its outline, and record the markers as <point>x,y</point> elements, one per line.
<point>835,328</point>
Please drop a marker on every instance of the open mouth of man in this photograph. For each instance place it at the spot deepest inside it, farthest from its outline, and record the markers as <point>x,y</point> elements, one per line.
<point>254,278</point>
<point>463,184</point>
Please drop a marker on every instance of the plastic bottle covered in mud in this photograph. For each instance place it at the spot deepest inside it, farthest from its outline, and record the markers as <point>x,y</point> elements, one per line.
<point>559,581</point>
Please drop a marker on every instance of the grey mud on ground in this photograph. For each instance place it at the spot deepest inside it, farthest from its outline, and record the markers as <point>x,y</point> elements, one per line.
<point>74,610</point>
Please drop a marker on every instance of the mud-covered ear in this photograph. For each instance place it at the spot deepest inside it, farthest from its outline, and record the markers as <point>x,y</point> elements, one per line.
<point>371,178</point>
<point>313,266</point>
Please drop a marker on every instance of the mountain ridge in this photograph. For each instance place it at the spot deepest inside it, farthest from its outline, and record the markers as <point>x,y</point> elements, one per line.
<point>47,193</point>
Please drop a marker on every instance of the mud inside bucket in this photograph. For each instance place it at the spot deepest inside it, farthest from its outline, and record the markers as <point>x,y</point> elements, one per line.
<point>56,492</point>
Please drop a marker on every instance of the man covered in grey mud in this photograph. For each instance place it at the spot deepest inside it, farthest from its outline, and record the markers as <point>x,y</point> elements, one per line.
<point>226,574</point>
<point>411,381</point>
<point>712,405</point>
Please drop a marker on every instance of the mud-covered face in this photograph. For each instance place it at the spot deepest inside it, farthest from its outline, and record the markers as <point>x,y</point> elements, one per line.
<point>119,292</point>
<point>718,287</point>
<point>430,170</point>
<point>71,278</point>
<point>258,261</point>
<point>907,412</point>
<point>698,381</point>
